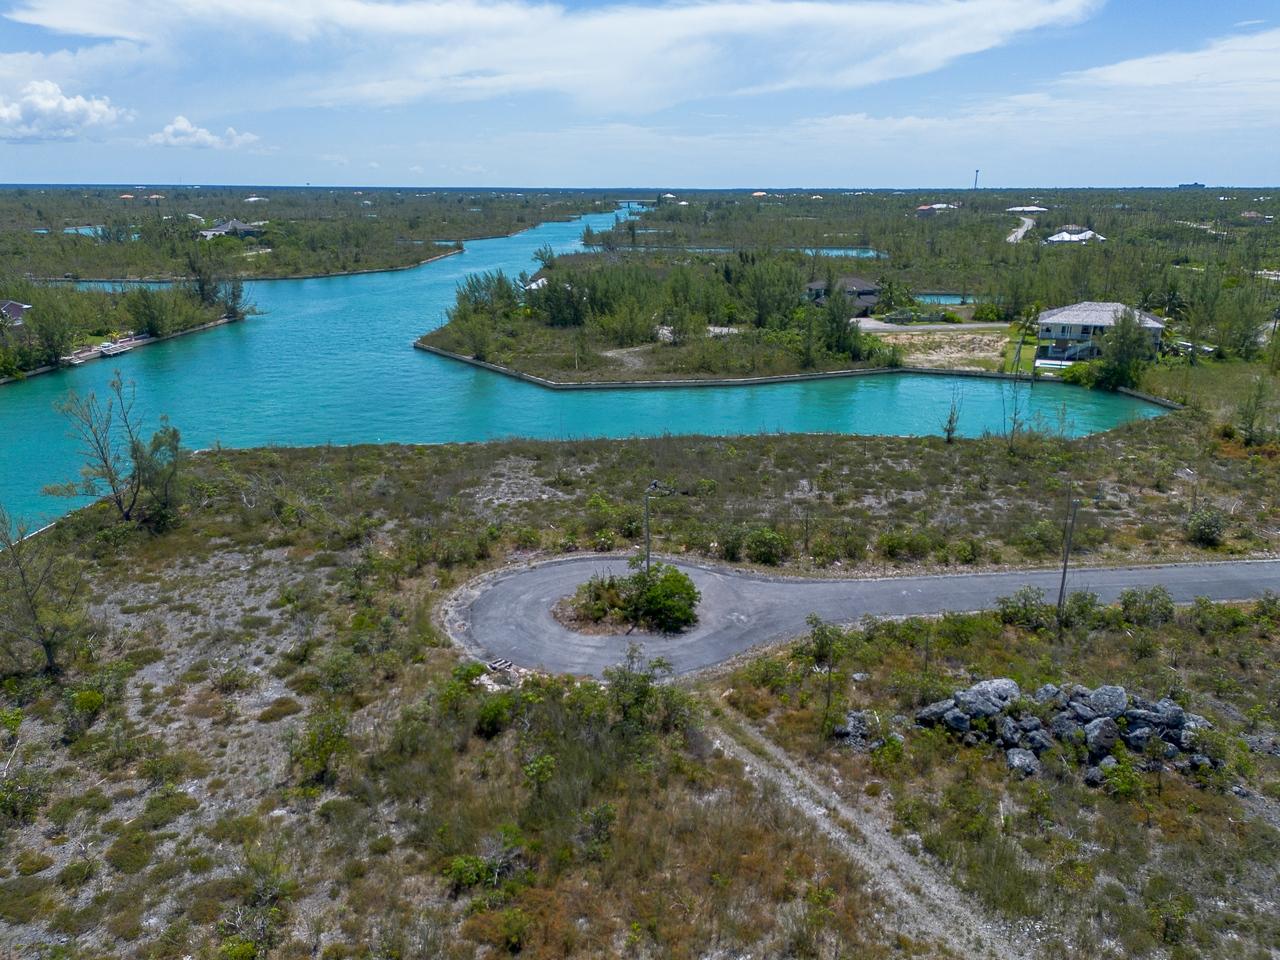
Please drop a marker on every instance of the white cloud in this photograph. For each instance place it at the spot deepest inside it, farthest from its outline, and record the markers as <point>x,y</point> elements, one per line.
<point>373,51</point>
<point>183,133</point>
<point>43,112</point>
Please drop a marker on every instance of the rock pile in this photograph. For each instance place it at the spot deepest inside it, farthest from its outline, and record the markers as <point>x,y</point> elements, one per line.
<point>1097,719</point>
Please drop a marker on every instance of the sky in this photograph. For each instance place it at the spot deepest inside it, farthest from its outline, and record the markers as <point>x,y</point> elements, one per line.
<point>692,93</point>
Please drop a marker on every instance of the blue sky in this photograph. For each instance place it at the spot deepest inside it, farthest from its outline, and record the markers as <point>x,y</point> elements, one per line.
<point>709,93</point>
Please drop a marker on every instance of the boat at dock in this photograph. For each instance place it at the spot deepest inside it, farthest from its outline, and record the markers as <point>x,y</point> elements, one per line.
<point>115,349</point>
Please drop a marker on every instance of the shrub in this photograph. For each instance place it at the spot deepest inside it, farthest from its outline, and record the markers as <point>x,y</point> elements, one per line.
<point>766,545</point>
<point>32,861</point>
<point>279,708</point>
<point>905,544</point>
<point>131,851</point>
<point>663,598</point>
<point>1206,527</point>
<point>319,749</point>
<point>1026,608</point>
<point>1146,608</point>
<point>76,873</point>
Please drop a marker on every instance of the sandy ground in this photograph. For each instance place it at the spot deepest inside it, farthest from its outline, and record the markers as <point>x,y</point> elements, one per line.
<point>956,350</point>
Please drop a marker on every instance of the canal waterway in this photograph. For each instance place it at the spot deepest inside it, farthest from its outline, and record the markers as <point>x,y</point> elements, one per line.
<point>332,360</point>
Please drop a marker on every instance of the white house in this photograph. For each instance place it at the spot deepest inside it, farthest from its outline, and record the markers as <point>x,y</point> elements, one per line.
<point>1083,236</point>
<point>1068,334</point>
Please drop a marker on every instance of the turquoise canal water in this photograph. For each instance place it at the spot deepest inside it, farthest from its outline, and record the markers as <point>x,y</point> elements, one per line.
<point>331,360</point>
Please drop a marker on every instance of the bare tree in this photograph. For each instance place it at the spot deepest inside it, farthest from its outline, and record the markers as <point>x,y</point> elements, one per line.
<point>41,602</point>
<point>118,463</point>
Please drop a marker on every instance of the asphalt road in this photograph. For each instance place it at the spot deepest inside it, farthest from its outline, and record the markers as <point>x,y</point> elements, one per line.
<point>509,615</point>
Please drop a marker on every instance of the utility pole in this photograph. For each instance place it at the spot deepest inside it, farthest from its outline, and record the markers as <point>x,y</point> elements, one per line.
<point>975,178</point>
<point>1068,531</point>
<point>654,489</point>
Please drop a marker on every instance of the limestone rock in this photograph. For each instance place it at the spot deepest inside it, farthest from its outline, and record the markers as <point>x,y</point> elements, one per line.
<point>1023,762</point>
<point>1100,736</point>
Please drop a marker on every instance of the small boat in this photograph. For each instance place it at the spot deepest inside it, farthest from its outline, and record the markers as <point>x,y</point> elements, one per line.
<point>115,349</point>
<point>72,360</point>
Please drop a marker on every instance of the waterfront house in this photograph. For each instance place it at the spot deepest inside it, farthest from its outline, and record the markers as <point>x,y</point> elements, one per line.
<point>1068,334</point>
<point>862,295</point>
<point>231,228</point>
<point>12,312</point>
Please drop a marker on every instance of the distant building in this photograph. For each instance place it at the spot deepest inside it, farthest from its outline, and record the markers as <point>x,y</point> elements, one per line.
<point>933,209</point>
<point>1251,215</point>
<point>1082,236</point>
<point>1068,334</point>
<point>232,228</point>
<point>862,295</point>
<point>1030,209</point>
<point>1191,186</point>
<point>13,311</point>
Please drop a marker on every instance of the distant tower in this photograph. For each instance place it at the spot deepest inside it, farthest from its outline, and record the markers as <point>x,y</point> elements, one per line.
<point>975,178</point>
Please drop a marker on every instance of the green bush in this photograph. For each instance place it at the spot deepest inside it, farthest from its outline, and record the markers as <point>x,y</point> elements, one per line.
<point>131,851</point>
<point>766,545</point>
<point>905,544</point>
<point>1146,608</point>
<point>1026,608</point>
<point>663,598</point>
<point>1206,527</point>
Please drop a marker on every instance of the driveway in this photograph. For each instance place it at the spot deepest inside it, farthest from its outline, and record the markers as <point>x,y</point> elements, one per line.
<point>1021,230</point>
<point>508,614</point>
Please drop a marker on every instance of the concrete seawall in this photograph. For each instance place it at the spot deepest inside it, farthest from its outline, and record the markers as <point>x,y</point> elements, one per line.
<point>748,381</point>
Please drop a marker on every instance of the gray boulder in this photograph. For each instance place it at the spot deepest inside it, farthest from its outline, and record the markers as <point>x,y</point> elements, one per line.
<point>1137,738</point>
<point>1064,725</point>
<point>1193,721</point>
<point>956,720</point>
<point>1038,742</point>
<point>1171,714</point>
<point>934,712</point>
<point>1008,732</point>
<point>1100,736</point>
<point>1076,692</point>
<point>854,730</point>
<point>976,704</point>
<point>1002,690</point>
<point>1084,713</point>
<point>1106,763</point>
<point>1093,777</point>
<point>1048,692</point>
<point>1029,723</point>
<point>1137,717</point>
<point>1109,701</point>
<point>1023,762</point>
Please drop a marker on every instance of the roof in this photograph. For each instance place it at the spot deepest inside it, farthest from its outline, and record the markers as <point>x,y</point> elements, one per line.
<point>1098,313</point>
<point>846,284</point>
<point>1031,209</point>
<point>14,310</point>
<point>1081,237</point>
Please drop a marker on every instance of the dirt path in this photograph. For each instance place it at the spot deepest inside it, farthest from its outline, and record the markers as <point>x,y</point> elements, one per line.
<point>1021,230</point>
<point>926,905</point>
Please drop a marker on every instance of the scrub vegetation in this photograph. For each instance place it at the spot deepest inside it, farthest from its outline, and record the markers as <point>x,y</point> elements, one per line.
<point>253,741</point>
<point>91,233</point>
<point>63,319</point>
<point>717,285</point>
<point>1136,866</point>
